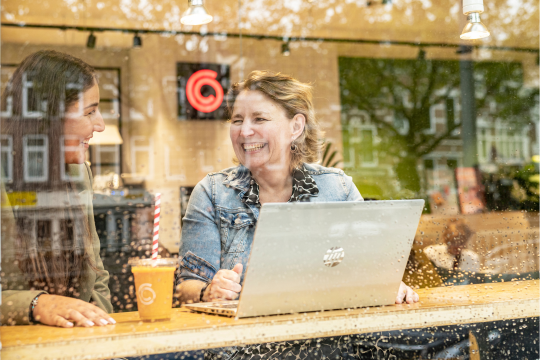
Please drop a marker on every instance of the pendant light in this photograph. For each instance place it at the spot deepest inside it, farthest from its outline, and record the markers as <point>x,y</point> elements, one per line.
<point>137,41</point>
<point>285,50</point>
<point>196,14</point>
<point>91,41</point>
<point>421,55</point>
<point>474,28</point>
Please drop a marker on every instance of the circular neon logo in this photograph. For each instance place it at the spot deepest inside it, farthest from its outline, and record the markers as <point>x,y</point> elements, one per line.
<point>205,104</point>
<point>146,300</point>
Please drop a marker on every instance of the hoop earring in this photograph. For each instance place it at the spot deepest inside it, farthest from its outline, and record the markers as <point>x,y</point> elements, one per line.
<point>294,148</point>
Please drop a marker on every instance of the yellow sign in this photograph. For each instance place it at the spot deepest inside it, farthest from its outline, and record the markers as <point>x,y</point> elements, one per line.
<point>22,198</point>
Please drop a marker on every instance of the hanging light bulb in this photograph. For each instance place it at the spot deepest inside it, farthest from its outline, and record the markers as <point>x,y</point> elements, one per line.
<point>91,42</point>
<point>137,41</point>
<point>285,50</point>
<point>196,14</point>
<point>474,28</point>
<point>421,54</point>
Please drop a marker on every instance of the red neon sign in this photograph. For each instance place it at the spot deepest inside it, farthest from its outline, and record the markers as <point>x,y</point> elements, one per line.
<point>193,91</point>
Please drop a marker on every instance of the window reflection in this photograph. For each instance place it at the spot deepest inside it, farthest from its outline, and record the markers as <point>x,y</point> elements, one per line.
<point>408,111</point>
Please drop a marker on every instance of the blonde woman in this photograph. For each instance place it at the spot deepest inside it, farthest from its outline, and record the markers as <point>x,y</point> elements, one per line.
<point>276,139</point>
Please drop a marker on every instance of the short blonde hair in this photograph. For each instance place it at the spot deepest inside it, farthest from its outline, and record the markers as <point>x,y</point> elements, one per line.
<point>293,96</point>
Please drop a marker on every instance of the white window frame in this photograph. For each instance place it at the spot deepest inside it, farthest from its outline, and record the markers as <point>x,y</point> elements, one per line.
<point>9,151</point>
<point>148,149</point>
<point>63,175</point>
<point>498,134</point>
<point>434,120</point>
<point>99,149</point>
<point>375,153</point>
<point>9,108</point>
<point>361,121</point>
<point>26,86</point>
<point>44,149</point>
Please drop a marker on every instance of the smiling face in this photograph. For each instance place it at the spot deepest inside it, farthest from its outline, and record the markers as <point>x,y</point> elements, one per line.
<point>82,119</point>
<point>261,132</point>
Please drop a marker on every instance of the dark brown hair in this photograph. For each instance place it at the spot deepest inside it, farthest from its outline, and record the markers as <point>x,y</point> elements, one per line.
<point>457,232</point>
<point>52,258</point>
<point>293,96</point>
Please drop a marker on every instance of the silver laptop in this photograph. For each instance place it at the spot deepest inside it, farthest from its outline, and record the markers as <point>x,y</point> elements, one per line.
<point>324,256</point>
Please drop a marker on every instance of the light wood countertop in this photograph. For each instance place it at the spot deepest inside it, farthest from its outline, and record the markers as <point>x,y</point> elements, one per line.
<point>188,331</point>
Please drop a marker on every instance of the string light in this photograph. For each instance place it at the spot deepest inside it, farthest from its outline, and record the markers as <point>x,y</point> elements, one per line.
<point>137,41</point>
<point>285,50</point>
<point>232,35</point>
<point>91,42</point>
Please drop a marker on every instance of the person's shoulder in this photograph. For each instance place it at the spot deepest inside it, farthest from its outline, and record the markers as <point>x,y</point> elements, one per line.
<point>316,169</point>
<point>470,254</point>
<point>224,181</point>
<point>234,176</point>
<point>433,251</point>
<point>225,173</point>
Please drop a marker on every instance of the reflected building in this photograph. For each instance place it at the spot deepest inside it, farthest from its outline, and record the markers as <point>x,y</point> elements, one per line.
<point>396,147</point>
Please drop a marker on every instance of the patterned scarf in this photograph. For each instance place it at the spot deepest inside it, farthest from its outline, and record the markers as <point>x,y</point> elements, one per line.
<point>303,186</point>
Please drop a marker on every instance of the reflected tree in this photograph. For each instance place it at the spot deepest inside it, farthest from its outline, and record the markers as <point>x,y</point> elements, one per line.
<point>415,104</point>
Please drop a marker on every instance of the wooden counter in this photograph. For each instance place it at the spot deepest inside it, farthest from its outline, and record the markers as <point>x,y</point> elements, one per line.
<point>189,331</point>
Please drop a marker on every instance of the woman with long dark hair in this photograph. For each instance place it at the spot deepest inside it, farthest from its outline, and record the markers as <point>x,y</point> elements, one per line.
<point>51,269</point>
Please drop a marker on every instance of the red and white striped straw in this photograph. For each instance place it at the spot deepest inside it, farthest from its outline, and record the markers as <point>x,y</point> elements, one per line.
<point>157,212</point>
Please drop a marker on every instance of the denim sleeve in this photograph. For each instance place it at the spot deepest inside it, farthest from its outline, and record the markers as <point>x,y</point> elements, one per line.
<point>200,245</point>
<point>354,194</point>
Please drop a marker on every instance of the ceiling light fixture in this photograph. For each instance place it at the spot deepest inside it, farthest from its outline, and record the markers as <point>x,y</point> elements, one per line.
<point>474,28</point>
<point>196,14</point>
<point>285,50</point>
<point>421,54</point>
<point>91,42</point>
<point>137,41</point>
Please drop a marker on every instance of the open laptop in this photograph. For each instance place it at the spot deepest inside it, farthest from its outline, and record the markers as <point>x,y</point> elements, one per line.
<point>324,256</point>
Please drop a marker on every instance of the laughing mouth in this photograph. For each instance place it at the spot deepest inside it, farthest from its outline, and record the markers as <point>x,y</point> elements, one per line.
<point>253,147</point>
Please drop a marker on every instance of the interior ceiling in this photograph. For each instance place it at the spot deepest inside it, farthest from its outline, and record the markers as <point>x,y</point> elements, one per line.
<point>512,23</point>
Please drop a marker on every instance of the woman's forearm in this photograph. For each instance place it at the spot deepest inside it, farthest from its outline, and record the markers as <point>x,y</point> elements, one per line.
<point>189,291</point>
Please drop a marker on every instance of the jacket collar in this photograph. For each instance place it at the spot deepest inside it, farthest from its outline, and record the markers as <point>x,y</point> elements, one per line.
<point>238,178</point>
<point>303,184</point>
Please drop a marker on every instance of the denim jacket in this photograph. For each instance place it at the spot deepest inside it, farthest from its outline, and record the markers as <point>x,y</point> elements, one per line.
<point>218,227</point>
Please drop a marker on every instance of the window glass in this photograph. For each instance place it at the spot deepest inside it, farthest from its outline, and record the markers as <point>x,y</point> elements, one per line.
<point>35,158</point>
<point>115,111</point>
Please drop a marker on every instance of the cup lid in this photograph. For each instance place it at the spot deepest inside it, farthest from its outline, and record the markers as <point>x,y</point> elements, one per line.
<point>161,262</point>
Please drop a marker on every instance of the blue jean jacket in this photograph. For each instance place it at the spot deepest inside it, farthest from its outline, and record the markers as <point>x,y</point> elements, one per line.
<point>218,227</point>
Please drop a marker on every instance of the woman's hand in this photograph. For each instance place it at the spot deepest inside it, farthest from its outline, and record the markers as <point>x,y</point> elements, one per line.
<point>225,285</point>
<point>405,292</point>
<point>64,311</point>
